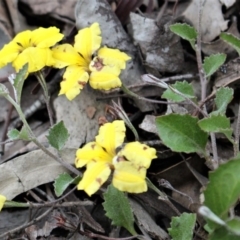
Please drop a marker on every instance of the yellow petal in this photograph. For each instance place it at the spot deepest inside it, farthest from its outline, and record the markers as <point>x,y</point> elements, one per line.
<point>97,65</point>
<point>94,177</point>
<point>2,201</point>
<point>138,153</point>
<point>88,40</point>
<point>128,178</point>
<point>104,81</point>
<point>45,37</point>
<point>9,53</point>
<point>91,152</point>
<point>74,79</point>
<point>35,57</point>
<point>113,57</point>
<point>111,136</point>
<point>66,55</point>
<point>23,39</point>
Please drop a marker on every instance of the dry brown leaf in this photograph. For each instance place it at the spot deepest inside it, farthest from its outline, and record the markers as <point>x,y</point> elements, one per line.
<point>213,22</point>
<point>31,170</point>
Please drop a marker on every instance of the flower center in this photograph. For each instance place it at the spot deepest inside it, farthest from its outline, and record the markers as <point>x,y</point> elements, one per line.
<point>98,64</point>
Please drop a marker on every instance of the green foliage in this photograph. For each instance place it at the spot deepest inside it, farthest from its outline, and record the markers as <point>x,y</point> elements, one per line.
<point>223,234</point>
<point>3,90</point>
<point>185,31</point>
<point>58,135</point>
<point>18,82</point>
<point>217,124</point>
<point>182,227</point>
<point>118,209</point>
<point>181,133</point>
<point>62,183</point>
<point>213,62</point>
<point>14,134</point>
<point>183,87</point>
<point>224,96</point>
<point>231,40</point>
<point>223,189</point>
<point>234,226</point>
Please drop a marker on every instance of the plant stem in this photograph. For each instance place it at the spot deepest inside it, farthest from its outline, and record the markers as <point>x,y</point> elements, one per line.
<point>162,195</point>
<point>43,84</point>
<point>203,78</point>
<point>134,95</point>
<point>237,133</point>
<point>33,138</point>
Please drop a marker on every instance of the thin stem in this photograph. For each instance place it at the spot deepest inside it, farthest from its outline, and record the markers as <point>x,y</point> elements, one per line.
<point>203,78</point>
<point>237,133</point>
<point>58,159</point>
<point>43,84</point>
<point>162,195</point>
<point>8,233</point>
<point>11,204</point>
<point>134,95</point>
<point>33,138</point>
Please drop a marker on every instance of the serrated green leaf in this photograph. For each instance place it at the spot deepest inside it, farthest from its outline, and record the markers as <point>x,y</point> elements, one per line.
<point>181,133</point>
<point>13,134</point>
<point>217,124</point>
<point>224,96</point>
<point>213,63</point>
<point>3,90</point>
<point>62,183</point>
<point>182,227</point>
<point>231,40</point>
<point>118,209</point>
<point>223,189</point>
<point>185,31</point>
<point>222,234</point>
<point>183,87</point>
<point>18,82</point>
<point>58,135</point>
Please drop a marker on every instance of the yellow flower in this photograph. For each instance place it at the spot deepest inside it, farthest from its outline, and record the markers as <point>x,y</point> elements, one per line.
<point>2,201</point>
<point>32,47</point>
<point>129,165</point>
<point>102,71</point>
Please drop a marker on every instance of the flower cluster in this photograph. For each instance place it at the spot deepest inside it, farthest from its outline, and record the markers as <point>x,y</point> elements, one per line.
<point>32,47</point>
<point>102,71</point>
<point>129,165</point>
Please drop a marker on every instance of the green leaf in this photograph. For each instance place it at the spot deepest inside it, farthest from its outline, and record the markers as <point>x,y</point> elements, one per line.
<point>231,40</point>
<point>182,227</point>
<point>234,225</point>
<point>118,209</point>
<point>217,124</point>
<point>18,82</point>
<point>185,31</point>
<point>181,133</point>
<point>24,134</point>
<point>222,234</point>
<point>224,96</point>
<point>13,134</point>
<point>3,90</point>
<point>223,189</point>
<point>58,135</point>
<point>62,183</point>
<point>213,62</point>
<point>184,87</point>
